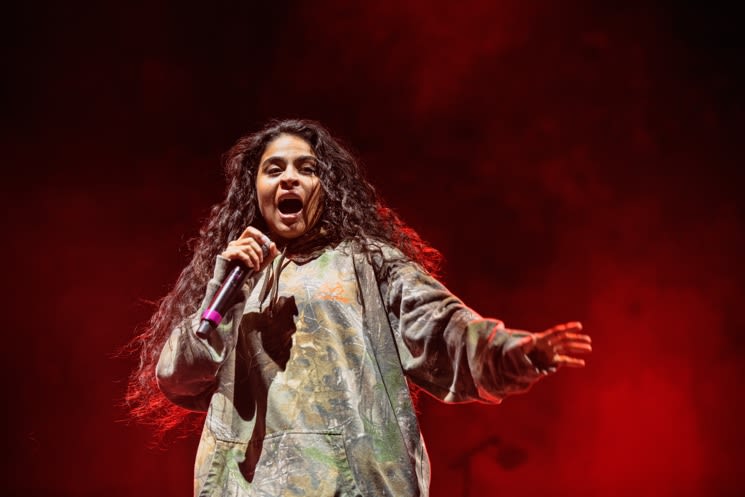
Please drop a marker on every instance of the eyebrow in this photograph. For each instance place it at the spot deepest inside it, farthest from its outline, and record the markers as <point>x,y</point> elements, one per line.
<point>300,158</point>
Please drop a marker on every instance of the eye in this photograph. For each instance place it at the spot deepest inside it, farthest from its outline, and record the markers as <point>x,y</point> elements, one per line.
<point>273,170</point>
<point>308,168</point>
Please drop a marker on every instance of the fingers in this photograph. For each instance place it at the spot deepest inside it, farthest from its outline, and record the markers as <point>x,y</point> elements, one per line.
<point>572,362</point>
<point>571,327</point>
<point>564,333</point>
<point>566,340</point>
<point>251,232</point>
<point>560,344</point>
<point>245,250</point>
<point>253,248</point>
<point>573,348</point>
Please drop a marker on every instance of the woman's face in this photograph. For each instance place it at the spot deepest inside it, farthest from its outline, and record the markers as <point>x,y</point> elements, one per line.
<point>287,187</point>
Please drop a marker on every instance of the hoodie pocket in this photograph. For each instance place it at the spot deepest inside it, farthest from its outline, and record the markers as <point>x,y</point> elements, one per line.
<point>304,463</point>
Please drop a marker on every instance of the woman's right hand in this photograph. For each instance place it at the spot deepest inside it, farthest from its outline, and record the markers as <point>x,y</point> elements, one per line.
<point>247,249</point>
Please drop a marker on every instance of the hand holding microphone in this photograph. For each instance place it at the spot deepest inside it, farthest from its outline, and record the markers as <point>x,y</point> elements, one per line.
<point>251,253</point>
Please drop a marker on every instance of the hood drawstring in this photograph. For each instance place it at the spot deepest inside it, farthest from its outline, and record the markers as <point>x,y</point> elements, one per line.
<point>270,284</point>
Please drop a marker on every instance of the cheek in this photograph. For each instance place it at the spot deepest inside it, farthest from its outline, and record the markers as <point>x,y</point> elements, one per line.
<point>263,195</point>
<point>316,198</point>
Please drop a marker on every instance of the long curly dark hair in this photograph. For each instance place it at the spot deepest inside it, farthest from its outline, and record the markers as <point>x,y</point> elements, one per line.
<point>351,210</point>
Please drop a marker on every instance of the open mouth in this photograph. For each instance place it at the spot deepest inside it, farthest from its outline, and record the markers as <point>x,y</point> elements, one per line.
<point>290,205</point>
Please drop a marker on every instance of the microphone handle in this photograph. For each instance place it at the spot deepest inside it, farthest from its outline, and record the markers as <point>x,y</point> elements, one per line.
<point>225,296</point>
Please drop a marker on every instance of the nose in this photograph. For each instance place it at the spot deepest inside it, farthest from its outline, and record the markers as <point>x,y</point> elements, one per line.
<point>289,177</point>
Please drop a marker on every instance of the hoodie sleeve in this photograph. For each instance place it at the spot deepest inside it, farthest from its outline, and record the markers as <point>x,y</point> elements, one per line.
<point>445,347</point>
<point>188,364</point>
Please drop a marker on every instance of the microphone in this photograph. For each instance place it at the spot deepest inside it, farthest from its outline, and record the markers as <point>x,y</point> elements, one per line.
<point>225,296</point>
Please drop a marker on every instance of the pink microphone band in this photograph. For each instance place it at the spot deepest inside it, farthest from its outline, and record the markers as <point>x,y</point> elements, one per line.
<point>212,315</point>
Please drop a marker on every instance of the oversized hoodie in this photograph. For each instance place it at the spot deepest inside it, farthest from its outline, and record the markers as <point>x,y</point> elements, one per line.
<point>305,380</point>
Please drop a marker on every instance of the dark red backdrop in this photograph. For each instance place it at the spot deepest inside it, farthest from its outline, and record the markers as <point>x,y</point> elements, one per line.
<point>571,161</point>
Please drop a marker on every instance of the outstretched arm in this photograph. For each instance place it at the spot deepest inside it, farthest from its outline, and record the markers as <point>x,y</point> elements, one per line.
<point>455,354</point>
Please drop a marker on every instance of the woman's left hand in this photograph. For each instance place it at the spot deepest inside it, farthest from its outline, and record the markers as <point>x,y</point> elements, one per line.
<point>558,346</point>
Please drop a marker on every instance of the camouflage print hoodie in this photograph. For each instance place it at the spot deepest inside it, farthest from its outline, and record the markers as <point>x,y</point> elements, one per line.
<point>305,381</point>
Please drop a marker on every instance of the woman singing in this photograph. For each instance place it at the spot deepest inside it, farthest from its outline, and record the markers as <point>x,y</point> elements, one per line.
<point>306,381</point>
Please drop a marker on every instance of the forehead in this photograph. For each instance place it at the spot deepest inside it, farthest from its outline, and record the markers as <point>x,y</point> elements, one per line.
<point>286,145</point>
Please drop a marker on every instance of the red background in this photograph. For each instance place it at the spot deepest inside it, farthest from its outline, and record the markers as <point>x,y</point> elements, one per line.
<point>571,160</point>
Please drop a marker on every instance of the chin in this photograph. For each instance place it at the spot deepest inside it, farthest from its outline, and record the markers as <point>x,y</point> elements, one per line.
<point>289,233</point>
